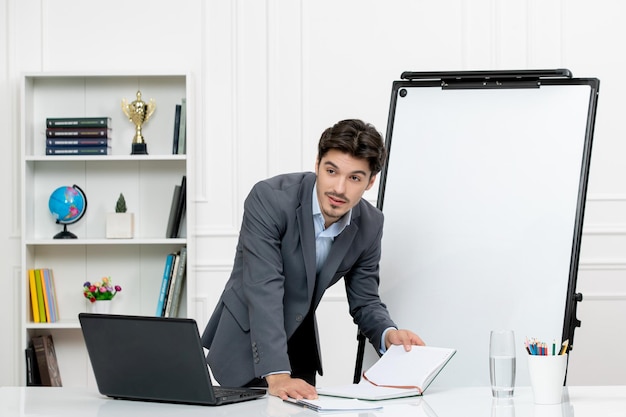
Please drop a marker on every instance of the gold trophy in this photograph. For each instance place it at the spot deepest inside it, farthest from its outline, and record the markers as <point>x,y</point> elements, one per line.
<point>139,112</point>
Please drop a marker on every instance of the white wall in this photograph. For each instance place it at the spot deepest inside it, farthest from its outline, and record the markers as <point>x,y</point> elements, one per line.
<point>271,75</point>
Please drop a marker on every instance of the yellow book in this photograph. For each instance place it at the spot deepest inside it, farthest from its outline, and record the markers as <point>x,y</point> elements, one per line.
<point>33,295</point>
<point>42,307</point>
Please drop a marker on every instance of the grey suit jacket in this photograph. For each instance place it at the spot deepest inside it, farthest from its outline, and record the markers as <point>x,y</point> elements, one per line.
<point>273,284</point>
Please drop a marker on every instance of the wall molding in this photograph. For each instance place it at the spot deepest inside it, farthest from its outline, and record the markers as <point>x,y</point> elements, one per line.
<point>15,324</point>
<point>601,296</point>
<point>606,197</point>
<point>605,229</point>
<point>200,307</point>
<point>611,228</point>
<point>334,298</point>
<point>618,264</point>
<point>214,266</point>
<point>216,232</point>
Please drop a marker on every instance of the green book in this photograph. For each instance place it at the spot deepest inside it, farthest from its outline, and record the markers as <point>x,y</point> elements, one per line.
<point>102,121</point>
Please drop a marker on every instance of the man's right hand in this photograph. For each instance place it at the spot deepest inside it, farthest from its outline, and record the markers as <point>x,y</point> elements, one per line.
<point>284,386</point>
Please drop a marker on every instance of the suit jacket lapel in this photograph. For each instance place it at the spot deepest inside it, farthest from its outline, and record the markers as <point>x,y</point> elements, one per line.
<point>304,215</point>
<point>337,253</point>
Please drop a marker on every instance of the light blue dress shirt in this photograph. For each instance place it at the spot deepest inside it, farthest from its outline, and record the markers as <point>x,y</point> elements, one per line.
<point>324,237</point>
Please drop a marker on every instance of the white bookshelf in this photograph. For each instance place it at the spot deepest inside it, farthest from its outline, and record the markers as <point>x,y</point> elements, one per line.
<point>147,182</point>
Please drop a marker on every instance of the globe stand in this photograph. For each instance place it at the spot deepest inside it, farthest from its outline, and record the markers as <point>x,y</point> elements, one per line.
<point>66,205</point>
<point>65,234</point>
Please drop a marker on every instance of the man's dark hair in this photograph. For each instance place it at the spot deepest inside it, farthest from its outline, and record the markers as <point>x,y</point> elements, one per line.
<point>357,138</point>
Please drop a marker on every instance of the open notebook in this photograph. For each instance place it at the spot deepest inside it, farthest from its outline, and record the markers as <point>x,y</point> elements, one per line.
<point>396,374</point>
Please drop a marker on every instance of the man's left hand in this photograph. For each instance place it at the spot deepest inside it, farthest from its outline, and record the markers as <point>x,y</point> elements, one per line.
<point>402,337</point>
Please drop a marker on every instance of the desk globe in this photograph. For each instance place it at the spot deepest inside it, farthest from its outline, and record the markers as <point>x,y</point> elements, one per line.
<point>68,205</point>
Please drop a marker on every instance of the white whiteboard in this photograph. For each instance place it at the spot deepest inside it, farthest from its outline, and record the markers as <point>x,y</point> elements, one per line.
<point>480,198</point>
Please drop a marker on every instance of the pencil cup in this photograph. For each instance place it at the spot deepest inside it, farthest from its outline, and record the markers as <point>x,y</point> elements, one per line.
<point>502,363</point>
<point>547,375</point>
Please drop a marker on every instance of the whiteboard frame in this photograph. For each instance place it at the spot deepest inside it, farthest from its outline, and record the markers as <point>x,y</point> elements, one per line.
<point>516,84</point>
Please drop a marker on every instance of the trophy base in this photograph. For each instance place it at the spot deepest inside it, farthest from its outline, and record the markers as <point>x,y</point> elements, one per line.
<point>140,149</point>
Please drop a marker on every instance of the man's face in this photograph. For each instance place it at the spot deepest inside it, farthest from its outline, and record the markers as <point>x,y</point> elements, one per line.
<point>341,181</point>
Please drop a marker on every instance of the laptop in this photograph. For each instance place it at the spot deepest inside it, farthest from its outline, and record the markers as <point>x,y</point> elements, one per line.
<point>153,359</point>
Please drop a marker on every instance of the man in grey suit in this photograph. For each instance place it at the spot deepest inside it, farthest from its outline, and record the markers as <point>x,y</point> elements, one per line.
<point>300,234</point>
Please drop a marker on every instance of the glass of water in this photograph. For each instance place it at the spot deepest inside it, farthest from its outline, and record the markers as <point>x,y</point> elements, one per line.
<point>502,363</point>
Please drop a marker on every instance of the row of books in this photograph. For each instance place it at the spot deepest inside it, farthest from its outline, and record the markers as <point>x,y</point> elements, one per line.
<point>179,142</point>
<point>92,135</point>
<point>42,368</point>
<point>172,283</point>
<point>78,136</point>
<point>43,298</point>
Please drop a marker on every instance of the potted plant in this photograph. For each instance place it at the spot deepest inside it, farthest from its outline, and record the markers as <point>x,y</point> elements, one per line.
<point>120,225</point>
<point>100,294</point>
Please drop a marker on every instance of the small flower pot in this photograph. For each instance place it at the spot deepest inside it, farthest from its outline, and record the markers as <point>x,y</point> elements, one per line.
<point>120,225</point>
<point>100,306</point>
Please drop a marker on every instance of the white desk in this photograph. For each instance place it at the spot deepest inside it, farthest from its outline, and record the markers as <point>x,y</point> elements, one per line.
<point>471,402</point>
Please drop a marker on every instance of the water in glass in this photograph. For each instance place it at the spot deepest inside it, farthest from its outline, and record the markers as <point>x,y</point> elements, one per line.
<point>502,363</point>
<point>502,373</point>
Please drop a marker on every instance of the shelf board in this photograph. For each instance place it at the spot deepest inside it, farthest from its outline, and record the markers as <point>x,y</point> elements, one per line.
<point>107,158</point>
<point>61,324</point>
<point>102,241</point>
<point>150,73</point>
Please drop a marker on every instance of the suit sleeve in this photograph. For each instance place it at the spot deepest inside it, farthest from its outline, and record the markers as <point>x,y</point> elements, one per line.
<point>362,285</point>
<point>263,280</point>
